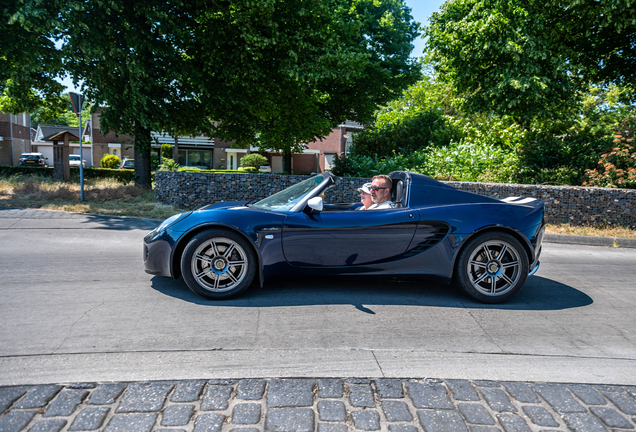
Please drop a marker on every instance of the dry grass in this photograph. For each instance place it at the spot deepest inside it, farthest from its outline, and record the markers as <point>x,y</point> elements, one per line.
<point>103,196</point>
<point>606,231</point>
<point>110,197</point>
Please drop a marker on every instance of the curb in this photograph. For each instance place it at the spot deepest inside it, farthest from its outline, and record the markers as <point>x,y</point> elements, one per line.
<point>590,241</point>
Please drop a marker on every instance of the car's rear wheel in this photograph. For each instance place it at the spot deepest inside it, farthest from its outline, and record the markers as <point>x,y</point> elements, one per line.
<point>218,264</point>
<point>493,267</point>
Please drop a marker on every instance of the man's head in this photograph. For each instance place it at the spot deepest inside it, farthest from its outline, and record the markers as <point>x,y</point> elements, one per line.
<point>381,189</point>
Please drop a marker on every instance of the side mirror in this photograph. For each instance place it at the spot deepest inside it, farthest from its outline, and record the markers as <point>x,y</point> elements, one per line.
<point>316,203</point>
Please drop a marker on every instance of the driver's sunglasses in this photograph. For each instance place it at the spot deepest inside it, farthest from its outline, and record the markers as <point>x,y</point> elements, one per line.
<point>376,188</point>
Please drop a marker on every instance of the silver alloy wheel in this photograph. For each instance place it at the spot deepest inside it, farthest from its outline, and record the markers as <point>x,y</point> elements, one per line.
<point>219,264</point>
<point>494,267</point>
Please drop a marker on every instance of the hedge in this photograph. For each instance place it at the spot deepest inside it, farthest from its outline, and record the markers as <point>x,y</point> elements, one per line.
<point>124,176</point>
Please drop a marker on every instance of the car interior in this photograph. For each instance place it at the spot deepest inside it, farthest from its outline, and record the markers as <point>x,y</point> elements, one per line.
<point>397,196</point>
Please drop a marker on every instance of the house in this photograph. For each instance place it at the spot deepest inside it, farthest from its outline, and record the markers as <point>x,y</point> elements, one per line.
<point>120,145</point>
<point>42,145</point>
<point>337,142</point>
<point>15,137</point>
<point>214,153</point>
<point>319,155</point>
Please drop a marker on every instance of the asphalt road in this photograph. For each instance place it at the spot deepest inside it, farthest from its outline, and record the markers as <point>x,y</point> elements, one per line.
<point>76,305</point>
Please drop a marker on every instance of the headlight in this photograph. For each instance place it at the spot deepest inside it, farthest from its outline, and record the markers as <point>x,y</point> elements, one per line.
<point>171,221</point>
<point>154,234</point>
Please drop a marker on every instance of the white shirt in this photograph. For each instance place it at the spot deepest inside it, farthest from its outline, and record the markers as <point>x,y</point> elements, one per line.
<point>384,205</point>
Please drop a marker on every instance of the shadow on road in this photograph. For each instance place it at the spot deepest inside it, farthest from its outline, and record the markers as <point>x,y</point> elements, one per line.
<point>121,223</point>
<point>538,294</point>
<point>104,222</point>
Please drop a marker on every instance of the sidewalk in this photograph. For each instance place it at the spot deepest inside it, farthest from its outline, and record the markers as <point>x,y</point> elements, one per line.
<point>323,405</point>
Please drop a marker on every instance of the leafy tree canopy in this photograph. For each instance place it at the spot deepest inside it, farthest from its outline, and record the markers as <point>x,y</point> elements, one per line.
<point>278,73</point>
<point>528,59</point>
<point>29,60</point>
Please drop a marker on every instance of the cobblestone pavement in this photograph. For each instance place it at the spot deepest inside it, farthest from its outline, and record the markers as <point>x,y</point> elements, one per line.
<point>322,405</point>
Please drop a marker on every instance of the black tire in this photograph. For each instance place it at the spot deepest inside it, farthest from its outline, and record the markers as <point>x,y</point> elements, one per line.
<point>492,268</point>
<point>218,264</point>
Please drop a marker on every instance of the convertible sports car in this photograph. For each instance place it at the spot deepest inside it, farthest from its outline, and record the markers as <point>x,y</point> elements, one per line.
<point>488,246</point>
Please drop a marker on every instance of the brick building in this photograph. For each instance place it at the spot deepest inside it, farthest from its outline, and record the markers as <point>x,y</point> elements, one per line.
<point>15,137</point>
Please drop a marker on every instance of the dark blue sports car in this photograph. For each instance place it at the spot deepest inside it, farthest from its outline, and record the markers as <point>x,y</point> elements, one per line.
<point>488,246</point>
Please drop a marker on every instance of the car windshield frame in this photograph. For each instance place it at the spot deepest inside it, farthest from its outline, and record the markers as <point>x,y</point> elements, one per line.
<point>292,198</point>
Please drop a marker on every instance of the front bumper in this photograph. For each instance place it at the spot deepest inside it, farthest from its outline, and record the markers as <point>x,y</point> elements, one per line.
<point>156,255</point>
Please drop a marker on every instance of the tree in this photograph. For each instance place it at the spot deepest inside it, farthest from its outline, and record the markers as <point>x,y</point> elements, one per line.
<point>127,53</point>
<point>528,59</point>
<point>300,66</point>
<point>68,118</point>
<point>29,61</point>
<point>277,73</point>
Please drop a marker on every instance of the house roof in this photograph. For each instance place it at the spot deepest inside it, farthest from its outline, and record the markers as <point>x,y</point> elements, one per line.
<point>352,125</point>
<point>58,136</point>
<point>45,132</point>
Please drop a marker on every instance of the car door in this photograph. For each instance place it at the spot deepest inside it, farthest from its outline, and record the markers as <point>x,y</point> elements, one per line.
<point>347,238</point>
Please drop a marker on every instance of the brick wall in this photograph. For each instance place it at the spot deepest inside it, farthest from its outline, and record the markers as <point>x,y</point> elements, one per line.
<point>574,205</point>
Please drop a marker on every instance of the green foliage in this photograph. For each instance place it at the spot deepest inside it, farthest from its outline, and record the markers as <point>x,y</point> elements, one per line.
<point>528,59</point>
<point>29,60</point>
<point>466,161</point>
<point>110,161</point>
<point>168,164</point>
<point>166,151</point>
<point>406,131</point>
<point>124,176</point>
<point>253,160</point>
<point>68,118</point>
<point>617,166</point>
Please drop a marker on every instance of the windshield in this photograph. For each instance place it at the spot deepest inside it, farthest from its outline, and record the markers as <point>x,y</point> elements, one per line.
<point>31,157</point>
<point>287,198</point>
<point>74,158</point>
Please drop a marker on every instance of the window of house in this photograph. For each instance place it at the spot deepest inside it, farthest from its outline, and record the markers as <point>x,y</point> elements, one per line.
<point>329,161</point>
<point>349,140</point>
<point>195,158</point>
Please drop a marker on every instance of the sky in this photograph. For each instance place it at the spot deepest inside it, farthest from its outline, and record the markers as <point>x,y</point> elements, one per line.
<point>421,10</point>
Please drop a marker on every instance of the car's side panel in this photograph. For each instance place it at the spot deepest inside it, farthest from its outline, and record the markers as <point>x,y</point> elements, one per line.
<point>347,238</point>
<point>435,264</point>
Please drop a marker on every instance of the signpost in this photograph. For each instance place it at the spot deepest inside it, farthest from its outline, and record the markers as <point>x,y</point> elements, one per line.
<point>77,100</point>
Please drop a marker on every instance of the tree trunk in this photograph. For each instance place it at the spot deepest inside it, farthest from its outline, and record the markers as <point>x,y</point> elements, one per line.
<point>142,157</point>
<point>175,150</point>
<point>287,159</point>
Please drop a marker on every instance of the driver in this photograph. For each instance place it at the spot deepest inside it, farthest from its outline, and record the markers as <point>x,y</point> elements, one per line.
<point>381,192</point>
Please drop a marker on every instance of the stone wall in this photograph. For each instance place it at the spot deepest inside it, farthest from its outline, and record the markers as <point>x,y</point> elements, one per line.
<point>574,205</point>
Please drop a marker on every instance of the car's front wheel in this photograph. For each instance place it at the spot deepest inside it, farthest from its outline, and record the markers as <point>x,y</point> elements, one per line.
<point>218,264</point>
<point>493,267</point>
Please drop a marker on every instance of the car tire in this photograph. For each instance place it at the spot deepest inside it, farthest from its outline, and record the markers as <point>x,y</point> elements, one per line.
<point>492,268</point>
<point>218,264</point>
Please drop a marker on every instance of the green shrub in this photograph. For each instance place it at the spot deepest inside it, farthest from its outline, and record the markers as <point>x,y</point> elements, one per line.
<point>168,165</point>
<point>253,160</point>
<point>166,151</point>
<point>110,161</point>
<point>124,176</point>
<point>9,170</point>
<point>617,166</point>
<point>467,161</point>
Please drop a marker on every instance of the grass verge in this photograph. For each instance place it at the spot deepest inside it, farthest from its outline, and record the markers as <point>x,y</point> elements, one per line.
<point>101,196</point>
<point>113,198</point>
